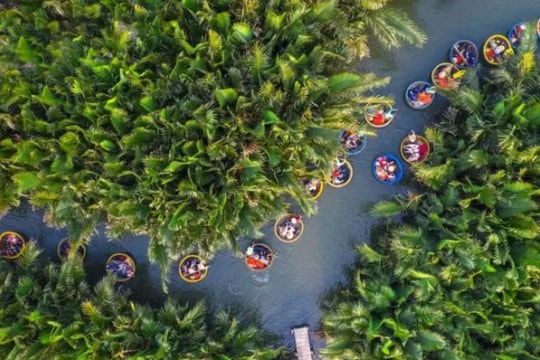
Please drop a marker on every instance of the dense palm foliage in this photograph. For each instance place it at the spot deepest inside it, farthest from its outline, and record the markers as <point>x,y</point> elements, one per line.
<point>50,312</point>
<point>458,276</point>
<point>190,121</point>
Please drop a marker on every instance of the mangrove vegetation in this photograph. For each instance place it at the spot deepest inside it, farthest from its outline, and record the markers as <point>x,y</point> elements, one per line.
<point>51,312</point>
<point>456,276</point>
<point>191,121</point>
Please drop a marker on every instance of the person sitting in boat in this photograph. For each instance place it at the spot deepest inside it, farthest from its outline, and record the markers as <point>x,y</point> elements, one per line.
<point>458,59</point>
<point>295,226</point>
<point>442,78</point>
<point>12,245</point>
<point>342,175</point>
<point>312,186</point>
<point>445,77</point>
<point>424,97</point>
<point>128,273</point>
<point>353,143</point>
<point>345,135</point>
<point>282,229</point>
<point>122,269</point>
<point>65,248</point>
<point>185,268</point>
<point>260,254</point>
<point>469,55</point>
<point>193,266</point>
<point>464,55</point>
<point>350,141</point>
<point>287,229</point>
<point>391,171</point>
<point>378,118</point>
<point>412,94</point>
<point>338,175</point>
<point>414,149</point>
<point>412,152</point>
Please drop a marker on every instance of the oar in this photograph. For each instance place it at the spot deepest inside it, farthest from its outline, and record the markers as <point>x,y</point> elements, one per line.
<point>461,54</point>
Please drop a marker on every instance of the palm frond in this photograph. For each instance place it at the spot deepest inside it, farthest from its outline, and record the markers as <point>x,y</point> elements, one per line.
<point>391,27</point>
<point>387,208</point>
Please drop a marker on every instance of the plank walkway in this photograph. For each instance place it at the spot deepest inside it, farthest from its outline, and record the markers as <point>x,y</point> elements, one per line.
<point>303,347</point>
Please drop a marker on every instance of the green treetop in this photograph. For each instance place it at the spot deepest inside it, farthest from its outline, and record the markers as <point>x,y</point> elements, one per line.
<point>191,121</point>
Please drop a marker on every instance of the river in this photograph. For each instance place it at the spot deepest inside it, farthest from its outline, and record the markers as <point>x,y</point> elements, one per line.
<point>290,292</point>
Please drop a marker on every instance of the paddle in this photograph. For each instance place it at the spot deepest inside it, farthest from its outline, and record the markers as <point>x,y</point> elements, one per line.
<point>461,54</point>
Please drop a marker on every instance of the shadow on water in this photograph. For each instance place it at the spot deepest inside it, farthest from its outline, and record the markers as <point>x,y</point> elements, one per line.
<point>305,272</point>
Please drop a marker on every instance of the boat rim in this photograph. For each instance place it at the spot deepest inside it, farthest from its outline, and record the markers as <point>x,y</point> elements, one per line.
<point>20,237</point>
<point>83,246</point>
<point>399,175</point>
<point>360,149</point>
<point>423,138</point>
<point>374,105</point>
<point>433,72</point>
<point>469,42</point>
<point>319,192</point>
<point>132,262</point>
<point>486,43</point>
<point>345,183</point>
<point>280,220</point>
<point>269,264</point>
<point>411,86</point>
<point>203,273</point>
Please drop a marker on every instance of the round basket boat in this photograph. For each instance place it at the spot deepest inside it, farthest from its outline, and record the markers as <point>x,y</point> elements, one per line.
<point>379,116</point>
<point>192,269</point>
<point>516,33</point>
<point>64,247</point>
<point>464,54</point>
<point>387,169</point>
<point>414,148</point>
<point>446,75</point>
<point>259,257</point>
<point>313,186</point>
<point>420,94</point>
<point>352,144</point>
<point>341,174</point>
<point>497,49</point>
<point>121,266</point>
<point>289,228</point>
<point>12,245</point>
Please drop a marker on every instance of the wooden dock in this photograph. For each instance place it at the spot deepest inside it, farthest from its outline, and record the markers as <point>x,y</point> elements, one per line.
<point>303,347</point>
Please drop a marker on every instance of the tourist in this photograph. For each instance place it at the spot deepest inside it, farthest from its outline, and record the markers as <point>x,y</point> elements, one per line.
<point>424,98</point>
<point>353,143</point>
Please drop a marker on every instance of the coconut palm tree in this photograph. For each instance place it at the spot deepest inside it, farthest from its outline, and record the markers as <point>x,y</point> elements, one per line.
<point>50,311</point>
<point>191,121</point>
<point>451,280</point>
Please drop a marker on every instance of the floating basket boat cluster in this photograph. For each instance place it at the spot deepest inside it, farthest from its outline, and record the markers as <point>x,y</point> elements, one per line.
<point>464,54</point>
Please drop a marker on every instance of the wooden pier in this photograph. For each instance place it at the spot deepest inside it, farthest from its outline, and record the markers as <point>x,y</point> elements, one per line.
<point>303,347</point>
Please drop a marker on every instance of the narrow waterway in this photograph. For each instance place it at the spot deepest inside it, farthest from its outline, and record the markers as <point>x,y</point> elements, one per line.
<point>290,292</point>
